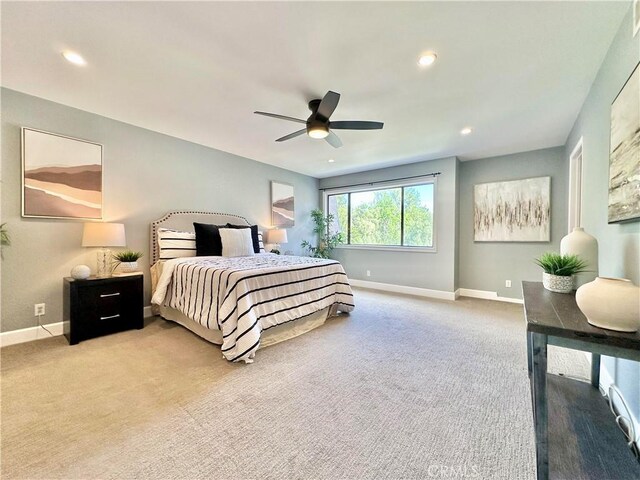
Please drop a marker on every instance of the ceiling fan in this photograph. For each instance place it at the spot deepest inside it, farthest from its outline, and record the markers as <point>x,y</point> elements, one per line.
<point>318,124</point>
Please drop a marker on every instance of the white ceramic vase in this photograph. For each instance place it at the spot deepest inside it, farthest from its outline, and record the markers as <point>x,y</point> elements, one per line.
<point>585,246</point>
<point>611,303</point>
<point>557,283</point>
<point>128,267</point>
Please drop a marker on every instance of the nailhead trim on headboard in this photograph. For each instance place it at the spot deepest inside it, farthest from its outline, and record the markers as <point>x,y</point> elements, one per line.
<point>155,254</point>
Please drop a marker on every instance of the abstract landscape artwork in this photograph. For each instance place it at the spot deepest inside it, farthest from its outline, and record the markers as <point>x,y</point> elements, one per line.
<point>513,211</point>
<point>282,205</point>
<point>624,154</point>
<point>61,176</point>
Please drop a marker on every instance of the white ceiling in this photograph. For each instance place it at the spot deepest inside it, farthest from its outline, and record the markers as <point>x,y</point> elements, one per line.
<point>516,72</point>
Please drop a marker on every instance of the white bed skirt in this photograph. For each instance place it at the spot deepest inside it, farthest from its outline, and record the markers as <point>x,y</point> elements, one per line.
<point>268,337</point>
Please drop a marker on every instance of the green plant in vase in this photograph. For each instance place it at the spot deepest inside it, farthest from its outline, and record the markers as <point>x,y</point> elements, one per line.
<point>558,271</point>
<point>127,260</point>
<point>327,240</point>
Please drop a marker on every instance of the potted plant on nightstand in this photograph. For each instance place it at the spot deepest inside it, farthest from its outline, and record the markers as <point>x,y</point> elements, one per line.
<point>559,271</point>
<point>127,260</point>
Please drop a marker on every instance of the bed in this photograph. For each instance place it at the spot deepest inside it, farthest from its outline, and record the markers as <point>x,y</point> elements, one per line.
<point>241,303</point>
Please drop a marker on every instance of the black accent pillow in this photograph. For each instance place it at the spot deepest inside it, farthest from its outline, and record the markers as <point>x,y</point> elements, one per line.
<point>254,235</point>
<point>208,241</point>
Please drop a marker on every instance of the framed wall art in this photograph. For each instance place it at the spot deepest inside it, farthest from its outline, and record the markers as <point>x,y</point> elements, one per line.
<point>624,153</point>
<point>282,205</point>
<point>61,176</point>
<point>513,211</point>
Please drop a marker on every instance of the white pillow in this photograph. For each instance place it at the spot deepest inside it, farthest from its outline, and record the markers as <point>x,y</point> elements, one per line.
<point>174,244</point>
<point>236,242</point>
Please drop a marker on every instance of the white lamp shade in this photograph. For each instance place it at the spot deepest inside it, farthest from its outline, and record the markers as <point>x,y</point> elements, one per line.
<point>277,236</point>
<point>103,235</point>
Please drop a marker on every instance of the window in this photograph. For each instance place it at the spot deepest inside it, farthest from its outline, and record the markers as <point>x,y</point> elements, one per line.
<point>399,216</point>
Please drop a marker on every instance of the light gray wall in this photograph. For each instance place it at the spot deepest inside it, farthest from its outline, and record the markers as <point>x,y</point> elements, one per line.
<point>146,174</point>
<point>415,269</point>
<point>619,244</point>
<point>486,265</point>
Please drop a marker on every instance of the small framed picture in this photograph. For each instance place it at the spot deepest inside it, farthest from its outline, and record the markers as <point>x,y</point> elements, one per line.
<point>282,205</point>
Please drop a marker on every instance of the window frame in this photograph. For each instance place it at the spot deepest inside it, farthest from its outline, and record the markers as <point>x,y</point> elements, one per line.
<point>385,185</point>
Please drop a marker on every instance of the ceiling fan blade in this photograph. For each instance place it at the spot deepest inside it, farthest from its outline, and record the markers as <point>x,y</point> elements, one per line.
<point>292,135</point>
<point>333,140</point>
<point>356,125</point>
<point>328,104</point>
<point>281,117</point>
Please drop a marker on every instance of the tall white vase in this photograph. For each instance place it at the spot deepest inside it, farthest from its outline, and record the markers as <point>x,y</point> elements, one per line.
<point>612,303</point>
<point>585,246</point>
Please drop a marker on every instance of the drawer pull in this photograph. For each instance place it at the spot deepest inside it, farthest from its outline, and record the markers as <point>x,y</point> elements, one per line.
<point>110,317</point>
<point>110,295</point>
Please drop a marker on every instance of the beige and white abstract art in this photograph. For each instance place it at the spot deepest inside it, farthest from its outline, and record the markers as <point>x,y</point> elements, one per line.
<point>513,211</point>
<point>61,176</point>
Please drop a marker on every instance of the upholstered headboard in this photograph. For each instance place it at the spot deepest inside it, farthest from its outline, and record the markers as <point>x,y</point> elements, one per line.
<point>183,221</point>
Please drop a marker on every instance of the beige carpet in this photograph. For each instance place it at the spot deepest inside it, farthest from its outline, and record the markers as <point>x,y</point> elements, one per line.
<point>403,388</point>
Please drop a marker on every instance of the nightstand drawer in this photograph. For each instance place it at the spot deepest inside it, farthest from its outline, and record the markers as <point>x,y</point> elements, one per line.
<point>107,300</point>
<point>105,322</point>
<point>97,307</point>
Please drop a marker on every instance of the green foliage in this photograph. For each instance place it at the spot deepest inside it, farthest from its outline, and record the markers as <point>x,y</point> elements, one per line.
<point>376,222</point>
<point>418,220</point>
<point>327,240</point>
<point>4,235</point>
<point>561,265</point>
<point>376,217</point>
<point>127,256</point>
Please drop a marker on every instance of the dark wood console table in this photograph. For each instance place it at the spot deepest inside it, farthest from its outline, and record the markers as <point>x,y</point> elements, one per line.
<point>555,319</point>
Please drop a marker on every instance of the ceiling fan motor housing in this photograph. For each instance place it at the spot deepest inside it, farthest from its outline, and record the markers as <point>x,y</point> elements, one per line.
<point>317,126</point>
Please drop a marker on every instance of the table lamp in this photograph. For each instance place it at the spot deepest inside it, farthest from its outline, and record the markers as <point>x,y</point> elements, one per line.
<point>103,235</point>
<point>277,237</point>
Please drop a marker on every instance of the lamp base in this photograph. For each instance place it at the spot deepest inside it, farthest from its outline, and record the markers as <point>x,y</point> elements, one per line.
<point>104,263</point>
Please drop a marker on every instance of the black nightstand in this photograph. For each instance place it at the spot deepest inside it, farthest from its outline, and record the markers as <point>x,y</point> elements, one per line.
<point>100,306</point>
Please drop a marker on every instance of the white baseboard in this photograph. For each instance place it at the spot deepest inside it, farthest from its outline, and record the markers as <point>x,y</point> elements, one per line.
<point>486,295</point>
<point>29,334</point>
<point>388,287</point>
<point>38,333</point>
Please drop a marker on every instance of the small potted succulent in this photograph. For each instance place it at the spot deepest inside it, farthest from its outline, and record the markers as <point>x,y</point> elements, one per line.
<point>559,271</point>
<point>127,260</point>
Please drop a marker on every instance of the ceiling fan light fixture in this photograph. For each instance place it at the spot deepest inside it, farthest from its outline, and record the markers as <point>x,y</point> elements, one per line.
<point>74,58</point>
<point>427,59</point>
<point>318,131</point>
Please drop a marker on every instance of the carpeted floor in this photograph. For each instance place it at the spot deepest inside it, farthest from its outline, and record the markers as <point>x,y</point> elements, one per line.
<point>402,388</point>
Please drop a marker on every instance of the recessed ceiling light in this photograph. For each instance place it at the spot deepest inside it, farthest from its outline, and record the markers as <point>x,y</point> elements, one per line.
<point>74,57</point>
<point>331,160</point>
<point>427,59</point>
<point>466,131</point>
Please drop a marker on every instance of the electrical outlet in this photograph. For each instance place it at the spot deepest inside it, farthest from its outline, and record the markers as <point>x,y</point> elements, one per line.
<point>368,273</point>
<point>38,309</point>
<point>507,283</point>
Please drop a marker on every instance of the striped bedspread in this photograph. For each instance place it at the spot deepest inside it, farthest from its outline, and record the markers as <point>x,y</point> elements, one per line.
<point>241,296</point>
